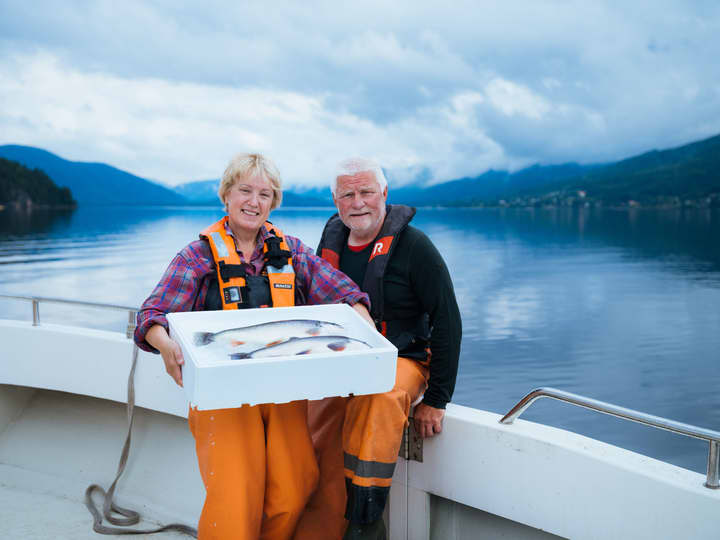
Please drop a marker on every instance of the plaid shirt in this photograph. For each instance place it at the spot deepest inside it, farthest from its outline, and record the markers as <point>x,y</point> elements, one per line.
<point>184,285</point>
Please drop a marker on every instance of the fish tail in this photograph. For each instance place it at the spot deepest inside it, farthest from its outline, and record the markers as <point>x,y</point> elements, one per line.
<point>203,338</point>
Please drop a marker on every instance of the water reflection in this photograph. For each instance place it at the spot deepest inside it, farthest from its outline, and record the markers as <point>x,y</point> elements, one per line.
<point>620,306</point>
<point>23,222</point>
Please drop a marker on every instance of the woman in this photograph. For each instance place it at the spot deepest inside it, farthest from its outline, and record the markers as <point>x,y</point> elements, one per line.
<point>257,463</point>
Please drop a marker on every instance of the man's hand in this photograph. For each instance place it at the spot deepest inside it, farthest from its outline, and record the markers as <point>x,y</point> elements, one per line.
<point>170,351</point>
<point>364,313</point>
<point>428,420</point>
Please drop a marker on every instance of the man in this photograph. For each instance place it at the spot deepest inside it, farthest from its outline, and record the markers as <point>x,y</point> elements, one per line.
<point>413,304</point>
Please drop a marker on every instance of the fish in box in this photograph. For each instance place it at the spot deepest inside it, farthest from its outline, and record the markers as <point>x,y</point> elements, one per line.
<point>268,332</point>
<point>306,345</point>
<point>276,355</point>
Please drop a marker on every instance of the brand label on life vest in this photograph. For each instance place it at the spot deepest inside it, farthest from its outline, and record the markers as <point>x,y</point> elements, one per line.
<point>282,286</point>
<point>381,247</point>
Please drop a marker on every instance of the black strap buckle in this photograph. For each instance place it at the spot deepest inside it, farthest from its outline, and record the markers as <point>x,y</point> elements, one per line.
<point>274,256</point>
<point>228,271</point>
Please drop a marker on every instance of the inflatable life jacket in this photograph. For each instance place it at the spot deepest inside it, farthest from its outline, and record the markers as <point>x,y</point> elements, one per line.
<point>236,289</point>
<point>410,337</point>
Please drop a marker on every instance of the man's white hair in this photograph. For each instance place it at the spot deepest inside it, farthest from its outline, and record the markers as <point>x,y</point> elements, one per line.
<point>356,165</point>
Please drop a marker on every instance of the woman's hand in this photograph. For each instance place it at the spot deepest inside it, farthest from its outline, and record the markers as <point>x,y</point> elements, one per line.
<point>170,351</point>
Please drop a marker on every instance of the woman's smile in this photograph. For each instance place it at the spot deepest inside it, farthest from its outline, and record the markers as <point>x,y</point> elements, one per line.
<point>248,203</point>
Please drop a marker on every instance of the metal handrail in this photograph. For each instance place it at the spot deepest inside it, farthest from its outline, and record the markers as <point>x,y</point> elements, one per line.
<point>713,437</point>
<point>132,311</point>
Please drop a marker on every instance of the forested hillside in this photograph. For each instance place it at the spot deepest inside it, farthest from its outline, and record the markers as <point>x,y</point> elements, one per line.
<point>94,183</point>
<point>23,186</point>
<point>687,175</point>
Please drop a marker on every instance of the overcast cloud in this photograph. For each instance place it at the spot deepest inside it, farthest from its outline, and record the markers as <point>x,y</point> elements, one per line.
<point>171,92</point>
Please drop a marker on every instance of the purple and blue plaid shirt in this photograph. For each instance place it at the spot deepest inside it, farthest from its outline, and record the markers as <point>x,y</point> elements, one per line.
<point>184,284</point>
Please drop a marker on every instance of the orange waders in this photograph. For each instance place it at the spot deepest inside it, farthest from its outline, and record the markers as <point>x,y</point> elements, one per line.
<point>257,463</point>
<point>258,467</point>
<point>371,436</point>
<point>373,425</point>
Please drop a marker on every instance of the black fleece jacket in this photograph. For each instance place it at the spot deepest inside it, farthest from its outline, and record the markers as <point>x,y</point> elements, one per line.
<point>416,281</point>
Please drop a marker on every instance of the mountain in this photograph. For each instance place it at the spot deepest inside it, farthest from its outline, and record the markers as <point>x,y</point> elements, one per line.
<point>682,175</point>
<point>465,191</point>
<point>25,187</point>
<point>692,170</point>
<point>687,175</point>
<point>199,192</point>
<point>490,185</point>
<point>204,192</point>
<point>291,198</point>
<point>322,194</point>
<point>93,183</point>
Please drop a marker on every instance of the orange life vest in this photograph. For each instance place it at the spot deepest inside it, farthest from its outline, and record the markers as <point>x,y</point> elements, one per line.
<point>231,273</point>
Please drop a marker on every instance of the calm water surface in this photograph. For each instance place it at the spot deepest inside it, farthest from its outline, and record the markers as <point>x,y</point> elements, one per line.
<point>619,306</point>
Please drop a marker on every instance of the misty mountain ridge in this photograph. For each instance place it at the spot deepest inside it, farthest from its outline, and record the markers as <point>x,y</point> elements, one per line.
<point>657,177</point>
<point>687,175</point>
<point>204,193</point>
<point>93,183</point>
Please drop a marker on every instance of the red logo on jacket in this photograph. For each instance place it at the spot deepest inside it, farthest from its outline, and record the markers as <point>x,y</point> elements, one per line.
<point>381,247</point>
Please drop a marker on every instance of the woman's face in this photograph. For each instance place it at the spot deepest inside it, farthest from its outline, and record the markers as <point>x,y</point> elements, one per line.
<point>248,203</point>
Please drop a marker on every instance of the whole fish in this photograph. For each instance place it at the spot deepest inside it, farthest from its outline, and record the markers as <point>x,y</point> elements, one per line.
<point>307,345</point>
<point>266,333</point>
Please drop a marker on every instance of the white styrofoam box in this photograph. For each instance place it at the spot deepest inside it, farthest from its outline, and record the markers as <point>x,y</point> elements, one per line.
<point>212,380</point>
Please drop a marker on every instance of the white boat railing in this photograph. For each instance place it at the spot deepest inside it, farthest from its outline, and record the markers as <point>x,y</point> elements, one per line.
<point>35,300</point>
<point>713,437</point>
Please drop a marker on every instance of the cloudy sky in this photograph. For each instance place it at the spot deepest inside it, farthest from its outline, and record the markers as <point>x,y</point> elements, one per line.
<point>432,89</point>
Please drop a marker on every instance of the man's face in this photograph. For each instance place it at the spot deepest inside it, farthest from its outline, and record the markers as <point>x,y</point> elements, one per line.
<point>361,204</point>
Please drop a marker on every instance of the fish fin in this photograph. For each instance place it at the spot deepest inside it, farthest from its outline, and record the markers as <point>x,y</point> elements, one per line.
<point>236,343</point>
<point>276,342</point>
<point>203,338</point>
<point>239,356</point>
<point>337,346</point>
<point>313,331</point>
<point>306,351</point>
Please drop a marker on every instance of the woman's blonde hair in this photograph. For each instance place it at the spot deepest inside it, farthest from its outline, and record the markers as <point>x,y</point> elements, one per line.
<point>246,165</point>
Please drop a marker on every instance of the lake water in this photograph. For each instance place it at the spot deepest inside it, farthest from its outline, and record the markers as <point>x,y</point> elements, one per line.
<point>621,306</point>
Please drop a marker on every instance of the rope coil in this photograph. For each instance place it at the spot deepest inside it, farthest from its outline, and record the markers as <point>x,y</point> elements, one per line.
<point>109,506</point>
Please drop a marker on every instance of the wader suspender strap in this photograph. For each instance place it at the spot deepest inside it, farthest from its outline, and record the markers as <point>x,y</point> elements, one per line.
<point>109,506</point>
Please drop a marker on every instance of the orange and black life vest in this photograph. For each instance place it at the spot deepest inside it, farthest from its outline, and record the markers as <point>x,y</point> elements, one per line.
<point>238,290</point>
<point>335,236</point>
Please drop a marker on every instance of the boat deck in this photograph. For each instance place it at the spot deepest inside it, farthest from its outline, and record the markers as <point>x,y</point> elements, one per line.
<point>33,515</point>
<point>63,423</point>
<point>59,443</point>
